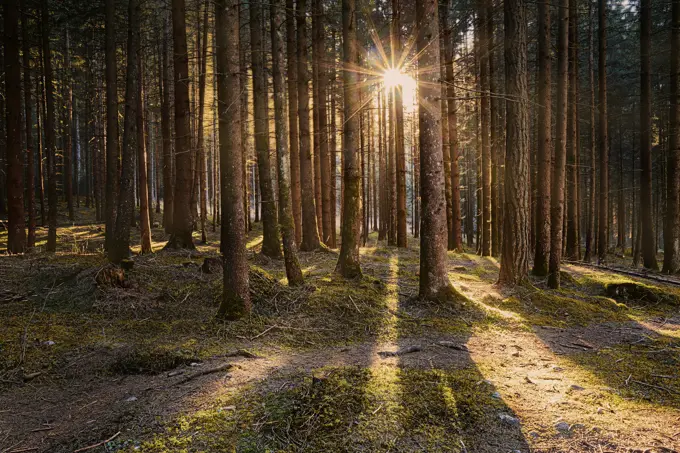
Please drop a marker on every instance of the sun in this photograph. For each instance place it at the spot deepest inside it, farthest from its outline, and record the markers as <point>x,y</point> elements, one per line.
<point>394,78</point>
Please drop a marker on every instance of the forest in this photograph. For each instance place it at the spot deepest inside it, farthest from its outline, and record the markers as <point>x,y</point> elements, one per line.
<point>340,226</point>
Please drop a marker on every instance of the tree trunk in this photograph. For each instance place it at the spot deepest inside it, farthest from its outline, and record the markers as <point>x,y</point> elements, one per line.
<point>603,223</point>
<point>142,168</point>
<point>310,233</point>
<point>28,106</point>
<point>293,119</point>
<point>572,243</point>
<point>120,247</point>
<point>111,122</point>
<point>399,149</point>
<point>648,240</point>
<point>434,280</point>
<point>544,150</point>
<point>348,262</point>
<point>559,164</point>
<point>68,128</point>
<point>590,226</point>
<point>168,182</point>
<point>334,149</point>
<point>201,161</point>
<point>271,246</point>
<point>182,221</point>
<point>486,148</point>
<point>671,262</point>
<point>235,296</point>
<point>286,222</point>
<point>49,132</point>
<point>16,231</point>
<point>515,247</point>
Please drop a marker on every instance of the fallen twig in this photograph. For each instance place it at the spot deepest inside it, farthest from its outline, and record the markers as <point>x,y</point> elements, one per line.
<point>659,387</point>
<point>263,332</point>
<point>98,444</point>
<point>222,367</point>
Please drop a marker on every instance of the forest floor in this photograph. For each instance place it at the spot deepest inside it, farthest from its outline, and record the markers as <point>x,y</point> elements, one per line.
<point>92,361</point>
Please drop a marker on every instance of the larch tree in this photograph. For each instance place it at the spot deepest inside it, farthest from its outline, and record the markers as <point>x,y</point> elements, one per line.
<point>348,262</point>
<point>671,263</point>
<point>310,232</point>
<point>544,144</point>
<point>271,246</point>
<point>648,244</point>
<point>16,234</point>
<point>515,246</point>
<point>182,222</point>
<point>287,225</point>
<point>434,280</point>
<point>603,139</point>
<point>120,245</point>
<point>559,163</point>
<point>235,289</point>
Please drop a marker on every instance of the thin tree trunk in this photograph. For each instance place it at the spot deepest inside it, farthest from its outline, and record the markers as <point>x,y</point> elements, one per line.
<point>68,128</point>
<point>120,247</point>
<point>49,132</point>
<point>16,231</point>
<point>144,199</point>
<point>111,122</point>
<point>293,119</point>
<point>485,129</point>
<point>590,227</point>
<point>671,263</point>
<point>348,262</point>
<point>572,242</point>
<point>333,150</point>
<point>201,162</point>
<point>236,295</point>
<point>648,240</point>
<point>399,151</point>
<point>603,223</point>
<point>434,280</point>
<point>168,180</point>
<point>28,106</point>
<point>515,248</point>
<point>310,233</point>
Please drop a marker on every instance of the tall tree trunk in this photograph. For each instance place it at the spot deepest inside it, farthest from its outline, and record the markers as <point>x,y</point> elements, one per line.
<point>28,109</point>
<point>235,296</point>
<point>286,222</point>
<point>485,129</point>
<point>399,149</point>
<point>590,226</point>
<point>293,119</point>
<point>16,233</point>
<point>310,233</point>
<point>572,243</point>
<point>348,262</point>
<point>111,122</point>
<point>603,223</point>
<point>493,128</point>
<point>671,262</point>
<point>559,164</point>
<point>334,148</point>
<point>168,180</point>
<point>201,161</point>
<point>434,280</point>
<point>182,221</point>
<point>68,128</point>
<point>120,247</point>
<point>392,170</point>
<point>49,132</point>
<point>648,240</point>
<point>142,168</point>
<point>271,246</point>
<point>515,247</point>
<point>40,118</point>
<point>544,150</point>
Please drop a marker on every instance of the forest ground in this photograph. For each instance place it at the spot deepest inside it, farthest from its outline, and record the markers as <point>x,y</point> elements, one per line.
<point>88,356</point>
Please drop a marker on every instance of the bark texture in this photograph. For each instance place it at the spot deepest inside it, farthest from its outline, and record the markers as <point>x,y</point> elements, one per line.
<point>671,263</point>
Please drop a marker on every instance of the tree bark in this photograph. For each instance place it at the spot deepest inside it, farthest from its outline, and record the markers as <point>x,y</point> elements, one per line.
<point>590,226</point>
<point>16,231</point>
<point>399,149</point>
<point>603,145</point>
<point>201,161</point>
<point>559,164</point>
<point>310,233</point>
<point>671,262</point>
<point>515,247</point>
<point>485,128</point>
<point>111,122</point>
<point>28,109</point>
<point>648,240</point>
<point>434,280</point>
<point>120,246</point>
<point>168,182</point>
<point>235,296</point>
<point>286,222</point>
<point>293,119</point>
<point>348,262</point>
<point>49,132</point>
<point>142,168</point>
<point>68,128</point>
<point>571,221</point>
<point>182,221</point>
